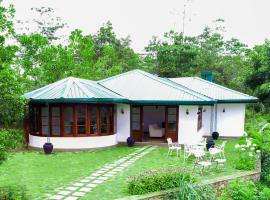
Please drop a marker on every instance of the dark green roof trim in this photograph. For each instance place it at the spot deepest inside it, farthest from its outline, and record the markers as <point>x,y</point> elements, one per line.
<point>238,101</point>
<point>158,102</point>
<point>80,100</point>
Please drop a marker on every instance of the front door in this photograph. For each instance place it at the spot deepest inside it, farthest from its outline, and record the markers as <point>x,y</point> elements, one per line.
<point>171,128</point>
<point>137,123</point>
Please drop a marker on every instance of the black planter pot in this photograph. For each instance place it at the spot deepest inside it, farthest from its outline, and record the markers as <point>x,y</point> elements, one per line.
<point>48,148</point>
<point>130,141</point>
<point>215,135</point>
<point>210,144</point>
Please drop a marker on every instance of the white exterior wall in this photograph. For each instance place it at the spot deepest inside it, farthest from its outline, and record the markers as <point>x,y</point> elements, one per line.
<point>74,142</point>
<point>231,122</point>
<point>187,124</point>
<point>123,122</point>
<point>206,120</point>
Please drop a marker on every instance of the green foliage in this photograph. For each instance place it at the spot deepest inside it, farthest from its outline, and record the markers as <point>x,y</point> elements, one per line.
<point>13,193</point>
<point>245,162</point>
<point>240,190</point>
<point>157,180</point>
<point>189,191</point>
<point>12,138</point>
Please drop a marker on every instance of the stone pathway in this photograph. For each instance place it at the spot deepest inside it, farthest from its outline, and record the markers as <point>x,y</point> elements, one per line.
<point>88,183</point>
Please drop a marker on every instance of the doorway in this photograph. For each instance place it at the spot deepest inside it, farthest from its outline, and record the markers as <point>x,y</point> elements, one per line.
<point>154,123</point>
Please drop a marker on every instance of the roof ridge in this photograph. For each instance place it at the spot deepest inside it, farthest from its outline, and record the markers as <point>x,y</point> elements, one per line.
<point>223,87</point>
<point>82,87</point>
<point>161,80</point>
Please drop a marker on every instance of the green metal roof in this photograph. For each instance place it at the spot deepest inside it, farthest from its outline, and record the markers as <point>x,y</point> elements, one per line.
<point>214,91</point>
<point>74,90</point>
<point>138,87</point>
<point>141,87</point>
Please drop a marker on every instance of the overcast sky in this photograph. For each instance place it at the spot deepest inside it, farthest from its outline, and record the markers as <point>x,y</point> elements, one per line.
<point>247,20</point>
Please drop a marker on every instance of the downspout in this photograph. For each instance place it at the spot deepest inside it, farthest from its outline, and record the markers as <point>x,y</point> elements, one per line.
<point>213,121</point>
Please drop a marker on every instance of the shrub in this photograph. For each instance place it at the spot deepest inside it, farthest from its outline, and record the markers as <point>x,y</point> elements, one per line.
<point>13,193</point>
<point>3,153</point>
<point>12,138</point>
<point>157,180</point>
<point>245,162</point>
<point>240,190</point>
<point>264,194</point>
<point>188,190</point>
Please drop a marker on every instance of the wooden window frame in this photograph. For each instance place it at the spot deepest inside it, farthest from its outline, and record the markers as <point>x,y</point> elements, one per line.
<point>110,108</point>
<point>199,122</point>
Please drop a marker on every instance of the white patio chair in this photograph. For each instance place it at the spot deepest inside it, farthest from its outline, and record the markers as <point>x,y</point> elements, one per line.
<point>200,160</point>
<point>218,154</point>
<point>173,146</point>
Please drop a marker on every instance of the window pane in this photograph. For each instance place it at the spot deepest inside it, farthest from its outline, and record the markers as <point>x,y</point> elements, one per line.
<point>81,119</point>
<point>55,111</point>
<point>45,130</point>
<point>44,121</point>
<point>68,116</point>
<point>171,118</point>
<point>135,126</point>
<point>56,130</point>
<point>68,130</point>
<point>44,111</point>
<point>103,119</point>
<point>111,119</point>
<point>135,117</point>
<point>172,126</point>
<point>93,120</point>
<point>171,111</point>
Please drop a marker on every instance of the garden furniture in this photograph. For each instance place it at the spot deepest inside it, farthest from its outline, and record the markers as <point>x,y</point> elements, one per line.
<point>155,131</point>
<point>173,146</point>
<point>200,160</point>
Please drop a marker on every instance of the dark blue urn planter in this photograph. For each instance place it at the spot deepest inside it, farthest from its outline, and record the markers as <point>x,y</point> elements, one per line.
<point>130,141</point>
<point>215,135</point>
<point>210,144</point>
<point>48,148</point>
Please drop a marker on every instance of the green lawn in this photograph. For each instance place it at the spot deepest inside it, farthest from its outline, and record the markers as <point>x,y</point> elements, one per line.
<point>43,174</point>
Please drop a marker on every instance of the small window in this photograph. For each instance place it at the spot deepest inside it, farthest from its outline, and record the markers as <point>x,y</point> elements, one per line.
<point>55,120</point>
<point>199,126</point>
<point>93,120</point>
<point>45,121</point>
<point>68,120</point>
<point>81,119</point>
<point>172,119</point>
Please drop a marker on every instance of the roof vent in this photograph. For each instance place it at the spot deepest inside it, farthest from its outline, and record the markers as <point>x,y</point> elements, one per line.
<point>207,75</point>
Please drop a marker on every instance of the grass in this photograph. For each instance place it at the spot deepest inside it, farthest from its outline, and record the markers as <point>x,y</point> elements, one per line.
<point>157,159</point>
<point>42,174</point>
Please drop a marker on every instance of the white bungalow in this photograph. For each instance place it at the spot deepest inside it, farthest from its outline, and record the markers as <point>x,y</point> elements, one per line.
<point>79,114</point>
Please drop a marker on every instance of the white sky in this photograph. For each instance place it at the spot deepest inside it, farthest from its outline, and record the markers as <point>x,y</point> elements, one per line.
<point>247,20</point>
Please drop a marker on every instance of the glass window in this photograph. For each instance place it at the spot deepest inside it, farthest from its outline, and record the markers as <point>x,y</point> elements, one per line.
<point>45,121</point>
<point>172,119</point>
<point>34,120</point>
<point>199,125</point>
<point>103,119</point>
<point>81,119</point>
<point>135,118</point>
<point>93,120</point>
<point>68,120</point>
<point>55,117</point>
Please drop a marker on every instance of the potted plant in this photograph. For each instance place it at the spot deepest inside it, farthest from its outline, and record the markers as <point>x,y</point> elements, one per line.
<point>210,144</point>
<point>130,141</point>
<point>48,146</point>
<point>215,135</point>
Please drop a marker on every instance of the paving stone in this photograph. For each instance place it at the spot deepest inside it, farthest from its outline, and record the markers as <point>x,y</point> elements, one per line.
<point>57,197</point>
<point>78,184</point>
<point>85,189</point>
<point>80,194</point>
<point>108,175</point>
<point>96,174</point>
<point>98,181</point>
<point>112,172</point>
<point>92,185</point>
<point>64,192</point>
<point>91,177</point>
<point>71,198</point>
<point>102,178</point>
<point>72,188</point>
<point>85,181</point>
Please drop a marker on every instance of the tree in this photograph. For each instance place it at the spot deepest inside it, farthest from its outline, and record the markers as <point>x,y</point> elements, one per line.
<point>11,101</point>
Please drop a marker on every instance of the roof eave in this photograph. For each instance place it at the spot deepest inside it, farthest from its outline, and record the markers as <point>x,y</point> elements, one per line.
<point>80,100</point>
<point>171,102</point>
<point>237,101</point>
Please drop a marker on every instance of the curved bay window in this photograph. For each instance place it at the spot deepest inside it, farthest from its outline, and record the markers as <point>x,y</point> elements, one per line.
<point>71,120</point>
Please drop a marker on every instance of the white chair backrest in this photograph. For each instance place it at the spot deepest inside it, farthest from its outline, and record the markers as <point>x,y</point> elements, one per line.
<point>169,140</point>
<point>223,145</point>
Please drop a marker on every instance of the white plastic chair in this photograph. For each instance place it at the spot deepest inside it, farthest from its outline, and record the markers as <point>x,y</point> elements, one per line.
<point>200,160</point>
<point>173,146</point>
<point>218,154</point>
